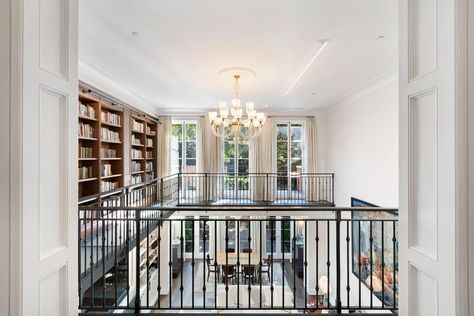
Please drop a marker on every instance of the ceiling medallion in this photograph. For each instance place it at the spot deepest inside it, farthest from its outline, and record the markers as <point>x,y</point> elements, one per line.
<point>237,126</point>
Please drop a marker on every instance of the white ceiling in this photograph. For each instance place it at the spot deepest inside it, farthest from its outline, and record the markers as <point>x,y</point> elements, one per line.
<point>181,46</point>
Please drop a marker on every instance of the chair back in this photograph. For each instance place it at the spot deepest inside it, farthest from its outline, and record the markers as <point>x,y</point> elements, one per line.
<point>248,270</point>
<point>228,270</point>
<point>208,260</point>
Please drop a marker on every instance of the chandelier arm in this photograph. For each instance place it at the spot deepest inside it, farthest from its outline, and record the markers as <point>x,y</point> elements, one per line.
<point>215,131</point>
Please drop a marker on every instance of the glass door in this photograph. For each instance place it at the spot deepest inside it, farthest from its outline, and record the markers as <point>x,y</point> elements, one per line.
<point>290,146</point>
<point>278,237</point>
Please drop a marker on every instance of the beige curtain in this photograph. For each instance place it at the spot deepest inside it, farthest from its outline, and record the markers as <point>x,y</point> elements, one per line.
<point>209,156</point>
<point>263,160</point>
<point>164,147</point>
<point>311,159</point>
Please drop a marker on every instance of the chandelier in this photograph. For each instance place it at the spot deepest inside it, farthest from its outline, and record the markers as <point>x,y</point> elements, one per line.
<point>244,127</point>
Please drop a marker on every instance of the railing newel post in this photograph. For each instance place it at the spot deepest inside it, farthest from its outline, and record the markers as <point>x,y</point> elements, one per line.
<point>137,261</point>
<point>338,262</point>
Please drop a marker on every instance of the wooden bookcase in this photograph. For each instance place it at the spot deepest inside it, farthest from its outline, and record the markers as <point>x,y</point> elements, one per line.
<point>88,144</point>
<point>151,158</point>
<point>104,145</point>
<point>111,146</point>
<point>137,148</point>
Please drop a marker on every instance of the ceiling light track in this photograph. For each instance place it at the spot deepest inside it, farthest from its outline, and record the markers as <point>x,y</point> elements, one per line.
<point>324,44</point>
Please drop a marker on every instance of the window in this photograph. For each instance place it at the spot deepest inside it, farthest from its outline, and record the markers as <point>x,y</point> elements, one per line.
<point>243,235</point>
<point>236,163</point>
<point>286,235</point>
<point>270,240</point>
<point>190,242</point>
<point>290,137</point>
<point>236,156</point>
<point>183,147</point>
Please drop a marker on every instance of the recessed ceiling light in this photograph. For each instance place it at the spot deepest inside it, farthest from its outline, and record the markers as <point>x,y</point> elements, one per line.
<point>136,34</point>
<point>314,93</point>
<point>266,105</point>
<point>380,37</point>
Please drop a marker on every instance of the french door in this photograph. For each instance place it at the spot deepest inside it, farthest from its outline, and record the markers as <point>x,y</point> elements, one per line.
<point>195,232</point>
<point>278,238</point>
<point>290,146</point>
<point>236,167</point>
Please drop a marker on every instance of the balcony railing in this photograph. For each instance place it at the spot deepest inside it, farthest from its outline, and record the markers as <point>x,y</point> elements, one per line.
<point>187,189</point>
<point>301,258</point>
<point>256,188</point>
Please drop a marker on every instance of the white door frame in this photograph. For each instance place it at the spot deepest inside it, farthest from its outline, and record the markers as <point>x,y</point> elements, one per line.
<point>43,157</point>
<point>433,152</point>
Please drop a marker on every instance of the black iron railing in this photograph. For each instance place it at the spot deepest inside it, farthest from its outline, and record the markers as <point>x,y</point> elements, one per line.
<point>224,189</point>
<point>259,188</point>
<point>260,258</point>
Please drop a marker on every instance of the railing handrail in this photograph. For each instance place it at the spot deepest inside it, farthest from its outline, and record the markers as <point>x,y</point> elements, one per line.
<point>179,175</point>
<point>290,208</point>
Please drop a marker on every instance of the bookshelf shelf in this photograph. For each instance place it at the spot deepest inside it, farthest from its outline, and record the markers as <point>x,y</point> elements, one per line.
<point>111,176</point>
<point>105,158</point>
<point>137,172</point>
<point>87,180</point>
<point>87,159</point>
<point>87,138</point>
<point>110,141</point>
<point>87,118</point>
<point>110,124</point>
<point>137,132</point>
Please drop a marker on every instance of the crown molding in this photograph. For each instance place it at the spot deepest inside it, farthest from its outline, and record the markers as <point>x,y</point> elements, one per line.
<point>371,86</point>
<point>100,79</point>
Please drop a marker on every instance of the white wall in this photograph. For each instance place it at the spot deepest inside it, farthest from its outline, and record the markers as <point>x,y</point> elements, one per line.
<point>358,141</point>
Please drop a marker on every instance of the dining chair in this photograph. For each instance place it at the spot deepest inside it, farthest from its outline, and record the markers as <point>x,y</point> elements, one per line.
<point>212,268</point>
<point>248,273</point>
<point>228,273</point>
<point>266,266</point>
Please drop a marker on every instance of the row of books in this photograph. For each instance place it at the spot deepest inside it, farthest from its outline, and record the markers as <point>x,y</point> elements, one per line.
<point>86,110</point>
<point>149,166</point>
<point>85,152</point>
<point>136,154</point>
<point>110,118</point>
<point>136,166</point>
<point>149,154</point>
<point>108,135</point>
<point>135,179</point>
<point>150,176</point>
<point>108,185</point>
<point>86,130</point>
<point>149,142</point>
<point>149,131</point>
<point>106,170</point>
<point>137,126</point>
<point>85,172</point>
<point>108,153</point>
<point>136,141</point>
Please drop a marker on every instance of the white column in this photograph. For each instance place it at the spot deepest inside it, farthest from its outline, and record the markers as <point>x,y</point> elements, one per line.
<point>432,157</point>
<point>43,152</point>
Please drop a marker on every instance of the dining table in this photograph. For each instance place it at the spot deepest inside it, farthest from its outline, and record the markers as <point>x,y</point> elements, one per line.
<point>230,258</point>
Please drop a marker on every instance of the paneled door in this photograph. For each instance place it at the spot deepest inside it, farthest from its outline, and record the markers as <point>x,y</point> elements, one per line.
<point>45,222</point>
<point>432,135</point>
